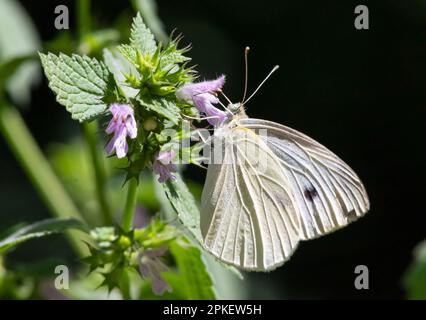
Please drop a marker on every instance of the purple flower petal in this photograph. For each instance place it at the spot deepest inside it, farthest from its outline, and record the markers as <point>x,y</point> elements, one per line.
<point>204,103</point>
<point>160,286</point>
<point>132,131</point>
<point>203,96</point>
<point>112,126</point>
<point>122,125</point>
<point>163,165</point>
<point>191,89</point>
<point>120,144</point>
<point>151,266</point>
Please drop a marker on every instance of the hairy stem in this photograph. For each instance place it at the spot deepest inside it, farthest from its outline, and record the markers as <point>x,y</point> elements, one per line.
<point>38,169</point>
<point>129,209</point>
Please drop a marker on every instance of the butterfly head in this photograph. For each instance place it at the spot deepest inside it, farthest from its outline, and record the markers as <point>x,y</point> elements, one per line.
<point>235,108</point>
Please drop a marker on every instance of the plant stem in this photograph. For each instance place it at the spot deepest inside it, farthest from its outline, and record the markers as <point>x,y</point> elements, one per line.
<point>83,19</point>
<point>129,209</point>
<point>89,130</point>
<point>38,169</point>
<point>125,285</point>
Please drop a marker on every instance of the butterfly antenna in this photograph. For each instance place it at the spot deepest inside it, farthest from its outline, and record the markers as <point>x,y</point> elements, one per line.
<point>227,99</point>
<point>246,51</point>
<point>201,118</point>
<point>261,84</point>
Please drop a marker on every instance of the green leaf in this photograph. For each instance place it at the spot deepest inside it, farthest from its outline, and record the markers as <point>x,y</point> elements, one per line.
<point>148,9</point>
<point>163,107</point>
<point>81,84</point>
<point>128,52</point>
<point>141,37</point>
<point>169,60</point>
<point>171,55</point>
<point>118,65</point>
<point>40,229</point>
<point>191,266</point>
<point>184,204</point>
<point>156,234</point>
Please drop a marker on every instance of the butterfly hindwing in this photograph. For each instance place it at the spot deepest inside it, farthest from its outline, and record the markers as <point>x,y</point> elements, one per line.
<point>248,218</point>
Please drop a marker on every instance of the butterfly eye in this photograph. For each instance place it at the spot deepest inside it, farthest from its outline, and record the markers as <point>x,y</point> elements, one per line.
<point>234,107</point>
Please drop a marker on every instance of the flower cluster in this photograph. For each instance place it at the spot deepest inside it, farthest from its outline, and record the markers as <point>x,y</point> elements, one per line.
<point>162,91</point>
<point>203,95</point>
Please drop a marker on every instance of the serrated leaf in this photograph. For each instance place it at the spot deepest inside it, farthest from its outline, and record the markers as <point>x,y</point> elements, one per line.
<point>40,229</point>
<point>141,37</point>
<point>118,65</point>
<point>162,107</point>
<point>81,84</point>
<point>127,52</point>
<point>184,204</point>
<point>171,59</point>
<point>172,56</point>
<point>148,8</point>
<point>192,269</point>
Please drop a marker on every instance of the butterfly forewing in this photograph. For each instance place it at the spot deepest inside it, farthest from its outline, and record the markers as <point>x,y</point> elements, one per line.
<point>327,192</point>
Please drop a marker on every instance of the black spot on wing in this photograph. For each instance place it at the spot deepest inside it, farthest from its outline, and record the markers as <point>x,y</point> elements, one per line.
<point>310,193</point>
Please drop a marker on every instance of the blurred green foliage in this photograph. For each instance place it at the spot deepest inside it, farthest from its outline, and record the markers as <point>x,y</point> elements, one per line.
<point>71,162</point>
<point>18,38</point>
<point>415,276</point>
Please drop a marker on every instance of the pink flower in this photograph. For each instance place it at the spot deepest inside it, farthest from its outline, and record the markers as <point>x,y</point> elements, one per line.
<point>163,165</point>
<point>122,124</point>
<point>151,267</point>
<point>203,96</point>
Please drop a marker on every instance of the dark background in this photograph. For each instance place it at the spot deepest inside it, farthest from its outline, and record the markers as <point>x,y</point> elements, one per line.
<point>359,92</point>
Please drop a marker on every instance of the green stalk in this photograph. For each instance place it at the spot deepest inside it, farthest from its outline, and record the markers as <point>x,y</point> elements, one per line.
<point>83,19</point>
<point>129,209</point>
<point>125,285</point>
<point>89,130</point>
<point>38,169</point>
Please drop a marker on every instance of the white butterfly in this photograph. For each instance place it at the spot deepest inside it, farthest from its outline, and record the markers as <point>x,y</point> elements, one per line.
<point>254,219</point>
